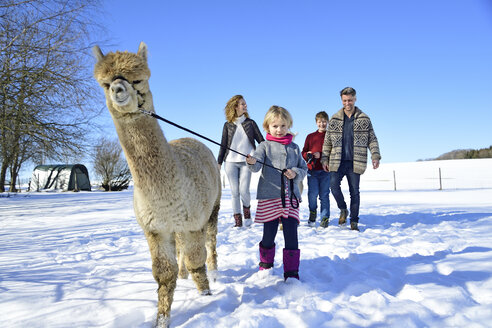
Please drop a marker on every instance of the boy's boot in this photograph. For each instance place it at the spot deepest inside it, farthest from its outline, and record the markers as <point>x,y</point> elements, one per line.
<point>354,226</point>
<point>343,216</point>
<point>247,216</point>
<point>312,218</point>
<point>239,220</point>
<point>266,257</point>
<point>291,263</point>
<point>324,222</point>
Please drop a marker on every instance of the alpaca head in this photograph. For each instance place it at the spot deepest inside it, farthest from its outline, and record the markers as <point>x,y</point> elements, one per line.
<point>124,76</point>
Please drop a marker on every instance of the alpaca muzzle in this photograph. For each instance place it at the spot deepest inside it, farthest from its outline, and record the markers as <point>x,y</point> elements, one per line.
<point>119,92</point>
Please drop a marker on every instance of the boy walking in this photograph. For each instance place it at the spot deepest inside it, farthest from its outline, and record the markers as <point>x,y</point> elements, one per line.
<point>318,179</point>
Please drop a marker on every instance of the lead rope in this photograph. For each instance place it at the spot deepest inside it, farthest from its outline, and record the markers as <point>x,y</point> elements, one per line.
<point>201,136</point>
<point>282,188</point>
<point>291,191</point>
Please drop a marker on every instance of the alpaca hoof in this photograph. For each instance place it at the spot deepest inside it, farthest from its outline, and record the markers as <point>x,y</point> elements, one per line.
<point>162,321</point>
<point>206,292</point>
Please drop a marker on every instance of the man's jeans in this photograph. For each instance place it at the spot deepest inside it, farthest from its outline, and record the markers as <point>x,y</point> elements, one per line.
<point>347,169</point>
<point>239,177</point>
<point>319,184</point>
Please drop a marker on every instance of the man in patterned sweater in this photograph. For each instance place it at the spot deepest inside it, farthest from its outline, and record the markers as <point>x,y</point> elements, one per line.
<point>347,139</point>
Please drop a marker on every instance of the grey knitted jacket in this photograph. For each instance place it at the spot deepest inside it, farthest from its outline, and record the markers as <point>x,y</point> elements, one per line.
<point>282,157</point>
<point>364,137</point>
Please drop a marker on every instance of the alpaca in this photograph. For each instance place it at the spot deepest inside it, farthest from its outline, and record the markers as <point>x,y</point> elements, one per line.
<point>177,186</point>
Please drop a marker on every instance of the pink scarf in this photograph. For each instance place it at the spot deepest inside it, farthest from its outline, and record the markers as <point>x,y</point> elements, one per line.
<point>285,140</point>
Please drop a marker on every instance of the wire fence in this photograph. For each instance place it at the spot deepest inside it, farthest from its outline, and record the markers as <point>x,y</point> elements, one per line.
<point>425,175</point>
<point>430,175</point>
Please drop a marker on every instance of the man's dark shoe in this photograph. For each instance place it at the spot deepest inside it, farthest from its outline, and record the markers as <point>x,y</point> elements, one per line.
<point>312,218</point>
<point>324,222</point>
<point>343,216</point>
<point>354,226</point>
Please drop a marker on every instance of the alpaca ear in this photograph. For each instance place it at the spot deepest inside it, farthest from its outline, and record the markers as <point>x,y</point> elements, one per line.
<point>142,50</point>
<point>96,51</point>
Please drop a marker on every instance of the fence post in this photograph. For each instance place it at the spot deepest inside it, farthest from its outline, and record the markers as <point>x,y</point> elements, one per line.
<point>394,179</point>
<point>440,181</point>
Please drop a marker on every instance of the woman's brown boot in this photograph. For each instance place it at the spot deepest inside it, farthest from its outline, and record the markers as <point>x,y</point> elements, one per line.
<point>239,220</point>
<point>247,216</point>
<point>247,212</point>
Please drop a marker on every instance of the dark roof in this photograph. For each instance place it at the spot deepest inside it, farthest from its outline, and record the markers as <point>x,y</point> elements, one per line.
<point>59,167</point>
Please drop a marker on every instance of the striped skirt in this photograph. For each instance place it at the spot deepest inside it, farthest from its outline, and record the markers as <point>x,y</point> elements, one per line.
<point>271,209</point>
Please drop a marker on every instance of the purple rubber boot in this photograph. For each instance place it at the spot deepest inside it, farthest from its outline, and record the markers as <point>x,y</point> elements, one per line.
<point>266,257</point>
<point>291,263</point>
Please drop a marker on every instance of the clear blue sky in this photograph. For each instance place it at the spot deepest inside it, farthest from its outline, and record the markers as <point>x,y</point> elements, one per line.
<point>422,68</point>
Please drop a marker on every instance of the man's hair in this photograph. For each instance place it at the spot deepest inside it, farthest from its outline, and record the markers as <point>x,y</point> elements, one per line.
<point>321,115</point>
<point>348,91</point>
<point>230,108</point>
<point>277,112</point>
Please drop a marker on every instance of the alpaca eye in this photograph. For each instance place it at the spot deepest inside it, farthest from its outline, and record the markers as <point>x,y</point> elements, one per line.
<point>106,85</point>
<point>136,82</point>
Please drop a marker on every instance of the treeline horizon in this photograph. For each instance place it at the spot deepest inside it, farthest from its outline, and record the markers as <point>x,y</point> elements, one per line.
<point>463,154</point>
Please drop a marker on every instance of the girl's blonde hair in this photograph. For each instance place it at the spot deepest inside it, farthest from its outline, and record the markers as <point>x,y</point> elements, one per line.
<point>230,108</point>
<point>277,112</point>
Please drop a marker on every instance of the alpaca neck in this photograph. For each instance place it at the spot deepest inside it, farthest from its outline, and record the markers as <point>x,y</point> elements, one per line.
<point>147,151</point>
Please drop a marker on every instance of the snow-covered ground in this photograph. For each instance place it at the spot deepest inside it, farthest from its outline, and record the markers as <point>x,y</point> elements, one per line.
<point>423,258</point>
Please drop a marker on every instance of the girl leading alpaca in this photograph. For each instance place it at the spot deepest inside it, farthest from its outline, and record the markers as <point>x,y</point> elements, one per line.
<point>278,192</point>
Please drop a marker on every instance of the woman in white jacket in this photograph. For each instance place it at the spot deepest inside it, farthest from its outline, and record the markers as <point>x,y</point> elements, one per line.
<point>239,133</point>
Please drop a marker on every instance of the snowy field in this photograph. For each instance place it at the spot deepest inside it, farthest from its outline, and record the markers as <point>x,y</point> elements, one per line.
<point>423,258</point>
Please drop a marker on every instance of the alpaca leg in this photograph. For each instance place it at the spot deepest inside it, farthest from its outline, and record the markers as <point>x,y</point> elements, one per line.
<point>165,272</point>
<point>211,241</point>
<point>182,272</point>
<point>195,254</point>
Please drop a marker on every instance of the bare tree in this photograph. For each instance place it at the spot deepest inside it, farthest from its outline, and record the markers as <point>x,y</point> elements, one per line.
<point>110,165</point>
<point>46,88</point>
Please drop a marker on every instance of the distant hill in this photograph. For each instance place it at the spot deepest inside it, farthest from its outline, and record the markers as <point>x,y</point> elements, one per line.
<point>465,154</point>
<point>455,154</point>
